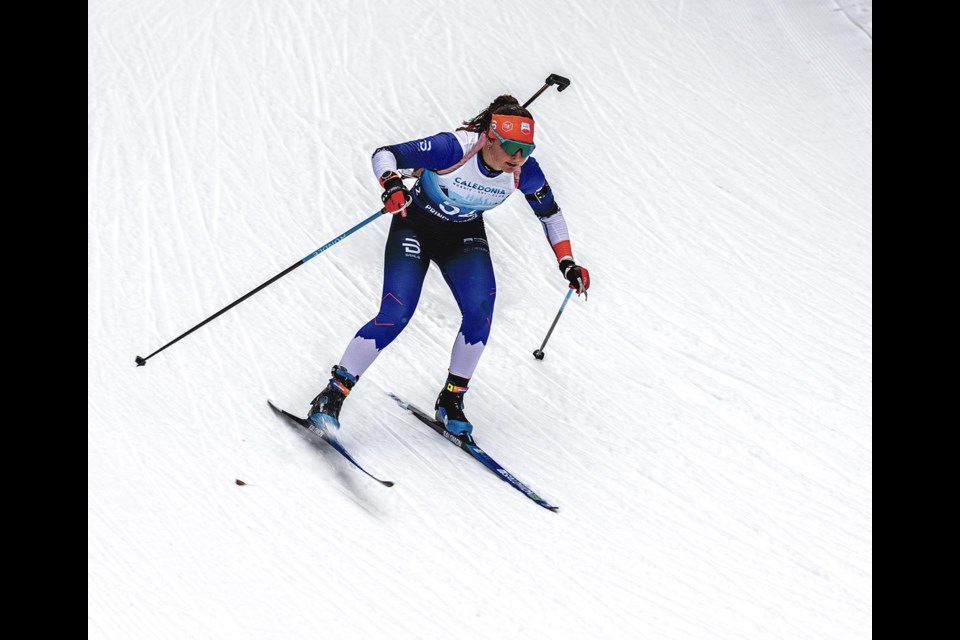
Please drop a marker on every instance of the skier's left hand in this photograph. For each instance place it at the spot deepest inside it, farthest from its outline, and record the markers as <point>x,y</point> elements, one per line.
<point>577,276</point>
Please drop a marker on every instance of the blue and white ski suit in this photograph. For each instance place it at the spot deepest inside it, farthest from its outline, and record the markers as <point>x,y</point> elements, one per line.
<point>445,224</point>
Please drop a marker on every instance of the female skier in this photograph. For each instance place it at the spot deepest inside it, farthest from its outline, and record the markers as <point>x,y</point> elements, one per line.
<point>464,174</point>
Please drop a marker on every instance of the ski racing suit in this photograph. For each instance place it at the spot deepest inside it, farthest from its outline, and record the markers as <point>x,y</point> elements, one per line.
<point>445,224</point>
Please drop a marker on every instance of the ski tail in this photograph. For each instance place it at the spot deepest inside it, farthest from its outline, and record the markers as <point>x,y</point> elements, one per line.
<point>327,437</point>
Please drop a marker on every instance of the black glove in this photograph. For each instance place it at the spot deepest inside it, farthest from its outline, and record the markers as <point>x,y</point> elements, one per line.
<point>395,196</point>
<point>577,276</point>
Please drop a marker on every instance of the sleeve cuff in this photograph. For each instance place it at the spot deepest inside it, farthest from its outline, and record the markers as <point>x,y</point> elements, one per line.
<point>563,251</point>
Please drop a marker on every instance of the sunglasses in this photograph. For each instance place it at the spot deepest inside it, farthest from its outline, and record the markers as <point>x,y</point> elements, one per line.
<point>512,146</point>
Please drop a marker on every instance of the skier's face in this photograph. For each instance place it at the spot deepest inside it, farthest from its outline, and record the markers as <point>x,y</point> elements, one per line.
<point>498,159</point>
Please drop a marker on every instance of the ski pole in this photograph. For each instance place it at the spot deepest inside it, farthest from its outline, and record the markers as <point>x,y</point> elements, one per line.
<point>538,354</point>
<point>142,361</point>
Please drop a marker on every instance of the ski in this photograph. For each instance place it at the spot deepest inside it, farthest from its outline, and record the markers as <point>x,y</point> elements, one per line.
<point>471,447</point>
<point>327,437</point>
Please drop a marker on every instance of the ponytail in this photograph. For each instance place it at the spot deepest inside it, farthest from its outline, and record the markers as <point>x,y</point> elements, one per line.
<point>505,104</point>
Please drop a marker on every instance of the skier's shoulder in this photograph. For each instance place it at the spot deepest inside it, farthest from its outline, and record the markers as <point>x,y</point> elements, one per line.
<point>450,145</point>
<point>531,176</point>
<point>466,139</point>
<point>453,147</point>
<point>434,151</point>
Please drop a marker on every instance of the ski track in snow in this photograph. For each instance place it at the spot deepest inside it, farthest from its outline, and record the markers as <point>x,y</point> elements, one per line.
<point>703,420</point>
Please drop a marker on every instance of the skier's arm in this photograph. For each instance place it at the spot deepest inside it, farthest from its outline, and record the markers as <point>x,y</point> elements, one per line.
<point>540,198</point>
<point>433,152</point>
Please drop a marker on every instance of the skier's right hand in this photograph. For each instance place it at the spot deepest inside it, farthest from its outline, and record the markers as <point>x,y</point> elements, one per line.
<point>395,196</point>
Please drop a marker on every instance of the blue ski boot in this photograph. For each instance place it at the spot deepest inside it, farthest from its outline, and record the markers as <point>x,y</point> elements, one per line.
<point>325,409</point>
<point>449,408</point>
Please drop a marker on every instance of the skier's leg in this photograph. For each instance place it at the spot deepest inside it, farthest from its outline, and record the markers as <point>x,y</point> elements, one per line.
<point>404,268</point>
<point>469,274</point>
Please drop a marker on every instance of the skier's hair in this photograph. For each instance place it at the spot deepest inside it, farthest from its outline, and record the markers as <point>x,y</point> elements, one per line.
<point>505,104</point>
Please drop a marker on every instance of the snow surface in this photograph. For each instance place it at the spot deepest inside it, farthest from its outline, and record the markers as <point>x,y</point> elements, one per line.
<point>704,420</point>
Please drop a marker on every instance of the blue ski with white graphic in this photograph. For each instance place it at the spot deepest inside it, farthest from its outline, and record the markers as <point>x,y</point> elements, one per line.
<point>471,447</point>
<point>327,437</point>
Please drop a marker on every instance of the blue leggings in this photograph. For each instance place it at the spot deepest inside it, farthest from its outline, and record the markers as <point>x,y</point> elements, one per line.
<point>461,252</point>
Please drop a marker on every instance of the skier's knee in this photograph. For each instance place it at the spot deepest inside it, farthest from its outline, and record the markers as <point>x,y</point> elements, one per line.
<point>392,323</point>
<point>476,326</point>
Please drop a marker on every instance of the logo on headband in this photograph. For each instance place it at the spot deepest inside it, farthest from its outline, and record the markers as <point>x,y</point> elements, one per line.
<point>517,128</point>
